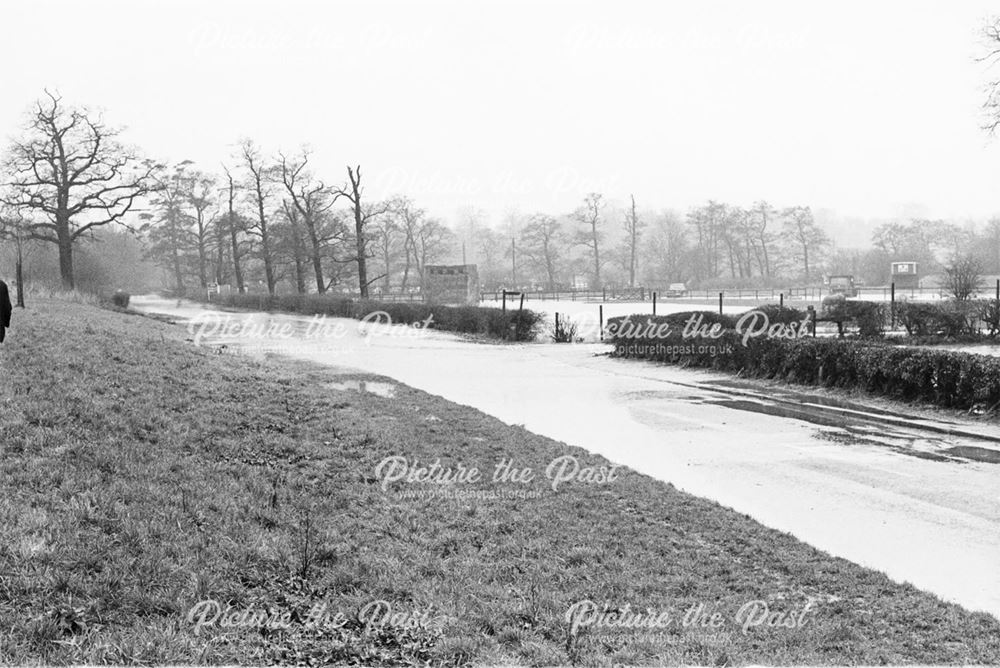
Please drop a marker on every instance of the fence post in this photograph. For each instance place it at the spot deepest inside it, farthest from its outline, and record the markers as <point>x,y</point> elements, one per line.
<point>600,319</point>
<point>720,303</point>
<point>503,309</point>
<point>892,306</point>
<point>781,300</point>
<point>654,300</point>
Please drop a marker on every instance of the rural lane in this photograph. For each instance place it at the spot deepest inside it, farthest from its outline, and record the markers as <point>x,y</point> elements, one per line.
<point>904,500</point>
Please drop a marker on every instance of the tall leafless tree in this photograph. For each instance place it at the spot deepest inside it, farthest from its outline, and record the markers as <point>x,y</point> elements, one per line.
<point>233,228</point>
<point>591,217</point>
<point>540,243</point>
<point>807,236</point>
<point>633,230</point>
<point>199,192</point>
<point>70,168</point>
<point>258,184</point>
<point>353,191</point>
<point>312,199</point>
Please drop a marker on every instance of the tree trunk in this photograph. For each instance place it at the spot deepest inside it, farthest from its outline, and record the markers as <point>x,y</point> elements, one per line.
<point>66,262</point>
<point>359,231</point>
<point>19,275</point>
<point>237,272</point>
<point>220,261</point>
<point>178,274</point>
<point>202,262</point>
<point>265,243</point>
<point>234,239</point>
<point>316,259</point>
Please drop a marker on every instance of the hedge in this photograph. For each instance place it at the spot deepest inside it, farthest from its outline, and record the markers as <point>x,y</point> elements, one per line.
<point>492,322</point>
<point>950,319</point>
<point>944,378</point>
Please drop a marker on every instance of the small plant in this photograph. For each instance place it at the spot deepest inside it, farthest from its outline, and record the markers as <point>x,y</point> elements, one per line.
<point>120,299</point>
<point>564,330</point>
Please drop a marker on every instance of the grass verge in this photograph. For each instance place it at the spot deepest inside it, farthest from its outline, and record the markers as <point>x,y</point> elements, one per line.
<point>142,478</point>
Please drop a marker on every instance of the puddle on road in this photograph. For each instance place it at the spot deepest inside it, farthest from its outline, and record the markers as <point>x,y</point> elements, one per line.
<point>818,399</point>
<point>975,454</point>
<point>849,432</point>
<point>902,444</point>
<point>386,390</point>
<point>780,411</point>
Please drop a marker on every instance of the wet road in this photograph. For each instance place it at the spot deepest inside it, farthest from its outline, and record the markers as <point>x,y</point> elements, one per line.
<point>919,501</point>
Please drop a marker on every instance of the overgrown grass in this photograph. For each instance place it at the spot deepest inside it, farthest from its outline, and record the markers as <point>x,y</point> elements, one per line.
<point>140,475</point>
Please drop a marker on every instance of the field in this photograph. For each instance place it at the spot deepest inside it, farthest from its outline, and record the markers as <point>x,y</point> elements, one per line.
<point>142,476</point>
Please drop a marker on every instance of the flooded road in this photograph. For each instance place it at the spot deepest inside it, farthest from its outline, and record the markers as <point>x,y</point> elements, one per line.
<point>918,499</point>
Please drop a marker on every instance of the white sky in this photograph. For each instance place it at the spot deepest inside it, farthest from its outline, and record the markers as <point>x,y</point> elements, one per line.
<point>868,108</point>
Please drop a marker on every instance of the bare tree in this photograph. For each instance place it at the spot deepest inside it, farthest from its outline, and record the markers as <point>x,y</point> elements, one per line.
<point>540,243</point>
<point>591,216</point>
<point>709,222</point>
<point>667,250</point>
<point>761,215</point>
<point>633,230</point>
<point>70,168</point>
<point>410,220</point>
<point>199,194</point>
<point>14,227</point>
<point>991,55</point>
<point>354,192</point>
<point>807,235</point>
<point>433,241</point>
<point>292,241</point>
<point>390,239</point>
<point>258,178</point>
<point>234,226</point>
<point>962,276</point>
<point>312,199</point>
<point>168,232</point>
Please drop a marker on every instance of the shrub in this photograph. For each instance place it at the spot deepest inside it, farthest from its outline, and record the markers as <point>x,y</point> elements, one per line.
<point>564,330</point>
<point>120,298</point>
<point>950,318</point>
<point>869,317</point>
<point>782,314</point>
<point>988,311</point>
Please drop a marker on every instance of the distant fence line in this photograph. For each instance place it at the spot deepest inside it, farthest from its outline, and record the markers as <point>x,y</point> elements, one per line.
<point>643,294</point>
<point>761,294</point>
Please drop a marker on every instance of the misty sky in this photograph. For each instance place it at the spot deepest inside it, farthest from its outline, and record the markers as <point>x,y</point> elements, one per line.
<point>869,108</point>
